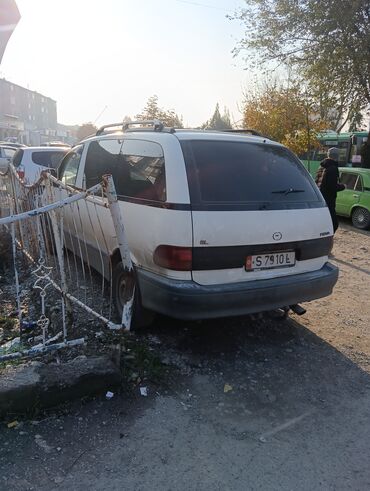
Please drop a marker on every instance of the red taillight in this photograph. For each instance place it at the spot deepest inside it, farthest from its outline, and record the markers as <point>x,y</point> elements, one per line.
<point>174,257</point>
<point>20,173</point>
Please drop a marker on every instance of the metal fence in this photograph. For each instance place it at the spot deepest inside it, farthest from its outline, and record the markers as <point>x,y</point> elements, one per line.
<point>59,242</point>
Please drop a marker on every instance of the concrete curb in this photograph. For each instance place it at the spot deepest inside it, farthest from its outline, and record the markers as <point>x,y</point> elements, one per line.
<point>35,385</point>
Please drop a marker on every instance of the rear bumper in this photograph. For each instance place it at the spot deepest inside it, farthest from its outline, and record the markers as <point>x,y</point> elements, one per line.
<point>188,300</point>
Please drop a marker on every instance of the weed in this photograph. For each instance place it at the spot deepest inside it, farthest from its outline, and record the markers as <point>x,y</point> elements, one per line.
<point>7,323</point>
<point>140,363</point>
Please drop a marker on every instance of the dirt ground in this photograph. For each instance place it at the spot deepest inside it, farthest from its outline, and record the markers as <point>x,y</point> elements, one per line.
<point>241,405</point>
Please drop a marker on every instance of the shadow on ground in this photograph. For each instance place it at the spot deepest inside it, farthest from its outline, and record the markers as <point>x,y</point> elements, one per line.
<point>346,224</point>
<point>294,416</point>
<point>269,363</point>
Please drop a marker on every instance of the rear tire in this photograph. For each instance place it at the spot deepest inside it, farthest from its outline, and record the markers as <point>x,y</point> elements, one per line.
<point>361,218</point>
<point>123,283</point>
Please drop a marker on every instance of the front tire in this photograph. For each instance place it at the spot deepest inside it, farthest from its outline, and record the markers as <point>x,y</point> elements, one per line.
<point>123,285</point>
<point>361,218</point>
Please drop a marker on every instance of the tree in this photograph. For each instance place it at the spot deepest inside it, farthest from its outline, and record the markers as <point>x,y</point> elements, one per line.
<point>153,111</point>
<point>356,118</point>
<point>85,130</point>
<point>326,42</point>
<point>284,114</point>
<point>218,121</point>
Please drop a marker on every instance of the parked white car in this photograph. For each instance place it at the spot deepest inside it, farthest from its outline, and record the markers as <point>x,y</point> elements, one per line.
<point>56,144</point>
<point>31,161</point>
<point>6,155</point>
<point>218,224</point>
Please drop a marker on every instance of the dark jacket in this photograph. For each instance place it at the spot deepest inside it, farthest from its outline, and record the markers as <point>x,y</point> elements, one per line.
<point>365,154</point>
<point>327,179</point>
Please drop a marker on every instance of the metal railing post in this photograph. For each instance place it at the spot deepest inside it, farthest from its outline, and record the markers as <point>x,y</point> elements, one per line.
<point>117,218</point>
<point>58,240</point>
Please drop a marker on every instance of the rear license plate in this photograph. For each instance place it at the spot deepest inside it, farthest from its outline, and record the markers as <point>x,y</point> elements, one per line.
<point>270,261</point>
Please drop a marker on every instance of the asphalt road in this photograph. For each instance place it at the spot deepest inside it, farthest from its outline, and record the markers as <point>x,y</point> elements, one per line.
<point>244,405</point>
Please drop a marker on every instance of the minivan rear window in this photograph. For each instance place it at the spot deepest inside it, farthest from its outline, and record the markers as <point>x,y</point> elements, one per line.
<point>260,176</point>
<point>48,159</point>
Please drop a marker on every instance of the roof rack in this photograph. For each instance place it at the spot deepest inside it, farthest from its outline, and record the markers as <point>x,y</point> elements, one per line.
<point>154,123</point>
<point>102,129</point>
<point>246,130</point>
<point>144,125</point>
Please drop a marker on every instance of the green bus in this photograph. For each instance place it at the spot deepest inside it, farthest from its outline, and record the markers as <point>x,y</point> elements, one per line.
<point>349,145</point>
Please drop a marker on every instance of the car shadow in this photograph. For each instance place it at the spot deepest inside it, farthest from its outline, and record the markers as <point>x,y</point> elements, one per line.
<point>350,265</point>
<point>346,224</point>
<point>283,359</point>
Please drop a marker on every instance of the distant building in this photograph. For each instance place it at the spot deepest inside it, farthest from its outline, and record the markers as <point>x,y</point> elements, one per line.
<point>26,115</point>
<point>67,133</point>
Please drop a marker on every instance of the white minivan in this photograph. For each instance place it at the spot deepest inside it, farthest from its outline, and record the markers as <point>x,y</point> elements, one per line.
<point>218,224</point>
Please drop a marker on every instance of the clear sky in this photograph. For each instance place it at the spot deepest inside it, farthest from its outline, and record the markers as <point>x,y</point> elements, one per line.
<point>89,54</point>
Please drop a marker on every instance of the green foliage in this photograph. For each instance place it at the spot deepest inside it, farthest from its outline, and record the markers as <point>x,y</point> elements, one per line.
<point>326,42</point>
<point>284,114</point>
<point>7,323</point>
<point>218,121</point>
<point>153,111</point>
<point>356,118</point>
<point>139,363</point>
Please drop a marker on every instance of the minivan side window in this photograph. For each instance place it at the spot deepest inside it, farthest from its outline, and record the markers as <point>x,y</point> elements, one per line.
<point>69,166</point>
<point>349,180</point>
<point>142,171</point>
<point>102,157</point>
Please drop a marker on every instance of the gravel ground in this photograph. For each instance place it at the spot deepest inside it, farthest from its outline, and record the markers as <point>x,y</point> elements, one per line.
<point>240,404</point>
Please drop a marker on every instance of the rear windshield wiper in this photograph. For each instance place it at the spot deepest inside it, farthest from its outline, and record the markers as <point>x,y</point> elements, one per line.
<point>288,191</point>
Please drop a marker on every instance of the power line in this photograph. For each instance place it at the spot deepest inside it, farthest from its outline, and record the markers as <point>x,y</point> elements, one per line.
<point>202,5</point>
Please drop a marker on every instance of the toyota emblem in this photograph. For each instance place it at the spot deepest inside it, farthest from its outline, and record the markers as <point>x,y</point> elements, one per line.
<point>277,236</point>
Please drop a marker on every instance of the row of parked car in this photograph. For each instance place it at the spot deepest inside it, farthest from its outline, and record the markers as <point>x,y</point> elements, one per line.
<point>354,202</point>
<point>218,223</point>
<point>30,161</point>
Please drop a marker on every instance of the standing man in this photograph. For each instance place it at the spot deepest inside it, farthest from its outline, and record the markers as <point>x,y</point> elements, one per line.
<point>327,179</point>
<point>365,153</point>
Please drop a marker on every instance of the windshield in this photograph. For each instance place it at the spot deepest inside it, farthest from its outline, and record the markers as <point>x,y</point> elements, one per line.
<point>260,175</point>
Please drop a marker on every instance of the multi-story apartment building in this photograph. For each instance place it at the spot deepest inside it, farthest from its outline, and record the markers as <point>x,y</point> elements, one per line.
<point>26,115</point>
